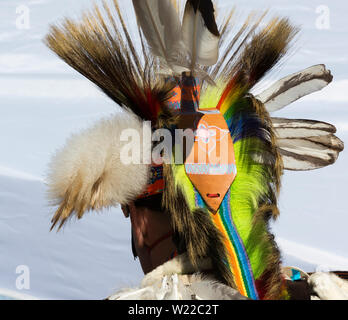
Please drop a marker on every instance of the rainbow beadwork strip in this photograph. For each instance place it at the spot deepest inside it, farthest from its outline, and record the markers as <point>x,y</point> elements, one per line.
<point>238,260</point>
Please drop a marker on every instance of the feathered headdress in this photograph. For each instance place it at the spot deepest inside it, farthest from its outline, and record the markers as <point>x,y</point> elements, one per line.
<point>176,80</point>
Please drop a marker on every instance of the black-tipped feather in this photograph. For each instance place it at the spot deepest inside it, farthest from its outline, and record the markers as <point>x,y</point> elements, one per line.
<point>295,86</point>
<point>207,10</point>
<point>306,144</point>
<point>200,33</point>
<point>160,24</point>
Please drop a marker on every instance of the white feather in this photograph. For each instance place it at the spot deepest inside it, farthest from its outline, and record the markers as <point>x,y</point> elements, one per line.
<point>306,144</point>
<point>161,26</point>
<point>203,46</point>
<point>294,128</point>
<point>307,148</point>
<point>294,87</point>
<point>309,153</point>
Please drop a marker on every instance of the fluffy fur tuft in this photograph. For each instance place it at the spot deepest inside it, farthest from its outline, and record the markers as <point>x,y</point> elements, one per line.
<point>178,279</point>
<point>328,286</point>
<point>89,173</point>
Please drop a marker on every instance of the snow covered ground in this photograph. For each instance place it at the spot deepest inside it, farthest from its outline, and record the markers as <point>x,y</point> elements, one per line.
<point>42,101</point>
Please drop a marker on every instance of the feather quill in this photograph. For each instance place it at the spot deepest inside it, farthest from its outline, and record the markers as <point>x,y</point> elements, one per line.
<point>200,32</point>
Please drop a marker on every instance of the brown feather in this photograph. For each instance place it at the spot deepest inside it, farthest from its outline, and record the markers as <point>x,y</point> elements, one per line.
<point>252,51</point>
<point>101,49</point>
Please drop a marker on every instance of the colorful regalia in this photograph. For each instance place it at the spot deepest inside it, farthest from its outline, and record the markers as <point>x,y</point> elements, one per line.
<point>189,70</point>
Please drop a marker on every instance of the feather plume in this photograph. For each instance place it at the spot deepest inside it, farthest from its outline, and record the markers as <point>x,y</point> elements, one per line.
<point>263,52</point>
<point>257,53</point>
<point>306,144</point>
<point>160,23</point>
<point>101,49</point>
<point>295,86</point>
<point>200,32</point>
<point>89,173</point>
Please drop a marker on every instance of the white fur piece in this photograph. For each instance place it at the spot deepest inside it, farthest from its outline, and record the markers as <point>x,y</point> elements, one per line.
<point>163,289</point>
<point>174,280</point>
<point>87,173</point>
<point>180,265</point>
<point>178,287</point>
<point>209,289</point>
<point>328,286</point>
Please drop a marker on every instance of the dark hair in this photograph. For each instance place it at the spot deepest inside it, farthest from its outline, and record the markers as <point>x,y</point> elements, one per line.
<point>153,203</point>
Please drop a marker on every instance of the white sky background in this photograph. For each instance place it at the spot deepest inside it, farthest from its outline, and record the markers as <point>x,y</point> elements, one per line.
<point>42,101</point>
